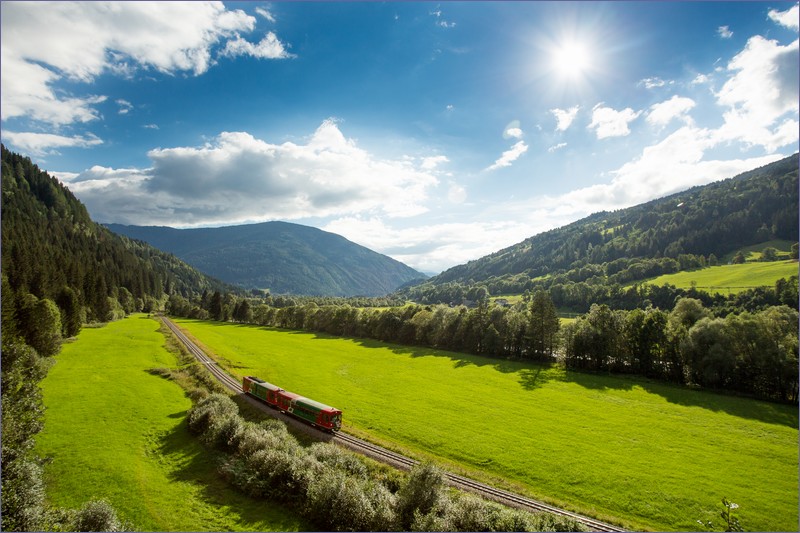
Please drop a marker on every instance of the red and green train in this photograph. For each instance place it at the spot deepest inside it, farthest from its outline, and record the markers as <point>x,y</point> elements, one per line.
<point>315,413</point>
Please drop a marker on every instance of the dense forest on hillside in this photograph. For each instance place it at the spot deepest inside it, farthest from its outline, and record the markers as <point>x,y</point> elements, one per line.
<point>59,271</point>
<point>687,230</point>
<point>281,257</point>
<point>52,249</point>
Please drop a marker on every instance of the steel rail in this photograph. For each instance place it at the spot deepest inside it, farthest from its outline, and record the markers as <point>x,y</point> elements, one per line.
<point>393,458</point>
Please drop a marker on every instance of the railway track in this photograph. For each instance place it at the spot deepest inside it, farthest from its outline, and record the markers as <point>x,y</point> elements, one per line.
<point>390,457</point>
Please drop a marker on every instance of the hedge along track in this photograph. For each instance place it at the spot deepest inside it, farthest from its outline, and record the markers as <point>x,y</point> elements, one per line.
<point>382,454</point>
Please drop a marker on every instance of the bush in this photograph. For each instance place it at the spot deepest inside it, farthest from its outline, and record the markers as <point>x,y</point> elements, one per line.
<point>339,502</point>
<point>420,494</point>
<point>202,415</point>
<point>97,515</point>
<point>335,457</point>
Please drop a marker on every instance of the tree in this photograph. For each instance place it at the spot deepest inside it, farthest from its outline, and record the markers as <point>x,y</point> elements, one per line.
<point>543,325</point>
<point>70,306</point>
<point>769,254</point>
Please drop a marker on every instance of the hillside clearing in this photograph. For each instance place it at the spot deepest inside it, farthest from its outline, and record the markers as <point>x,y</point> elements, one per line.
<point>653,455</point>
<point>117,432</point>
<point>730,279</point>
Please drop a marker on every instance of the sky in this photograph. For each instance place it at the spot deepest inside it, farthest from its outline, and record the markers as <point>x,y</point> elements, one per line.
<point>435,133</point>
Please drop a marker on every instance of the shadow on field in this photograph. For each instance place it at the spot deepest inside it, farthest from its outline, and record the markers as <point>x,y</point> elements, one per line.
<point>192,463</point>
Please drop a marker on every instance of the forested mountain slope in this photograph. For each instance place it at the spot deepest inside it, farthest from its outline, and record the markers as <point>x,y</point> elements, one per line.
<point>641,241</point>
<point>52,249</point>
<point>282,257</point>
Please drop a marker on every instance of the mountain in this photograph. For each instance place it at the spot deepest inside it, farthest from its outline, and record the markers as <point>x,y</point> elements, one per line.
<point>677,232</point>
<point>52,249</point>
<point>282,257</point>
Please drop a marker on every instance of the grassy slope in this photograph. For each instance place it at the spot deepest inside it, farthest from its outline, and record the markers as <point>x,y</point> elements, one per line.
<point>731,278</point>
<point>115,431</point>
<point>657,456</point>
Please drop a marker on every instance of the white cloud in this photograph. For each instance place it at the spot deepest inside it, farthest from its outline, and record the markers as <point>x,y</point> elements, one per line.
<point>558,146</point>
<point>674,164</point>
<point>509,156</point>
<point>565,117</point>
<point>39,144</point>
<point>676,107</point>
<point>762,96</point>
<point>269,48</point>
<point>724,32</point>
<point>789,18</point>
<point>79,41</point>
<point>700,79</point>
<point>608,122</point>
<point>515,133</point>
<point>151,126</point>
<point>456,194</point>
<point>430,163</point>
<point>432,247</point>
<point>652,83</point>
<point>265,13</point>
<point>237,177</point>
<point>124,106</point>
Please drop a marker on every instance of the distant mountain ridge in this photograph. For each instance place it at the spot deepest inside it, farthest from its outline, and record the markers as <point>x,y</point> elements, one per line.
<point>283,257</point>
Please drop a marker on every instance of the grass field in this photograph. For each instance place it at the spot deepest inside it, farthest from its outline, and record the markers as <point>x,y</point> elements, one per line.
<point>651,455</point>
<point>117,432</point>
<point>730,279</point>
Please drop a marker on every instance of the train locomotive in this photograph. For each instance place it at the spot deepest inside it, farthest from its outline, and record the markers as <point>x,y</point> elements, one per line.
<point>317,414</point>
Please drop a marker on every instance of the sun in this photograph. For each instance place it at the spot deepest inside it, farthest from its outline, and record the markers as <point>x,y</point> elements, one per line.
<point>571,59</point>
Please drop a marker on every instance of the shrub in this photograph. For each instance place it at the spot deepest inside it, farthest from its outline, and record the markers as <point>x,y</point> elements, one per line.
<point>335,457</point>
<point>421,493</point>
<point>202,415</point>
<point>345,503</point>
<point>97,515</point>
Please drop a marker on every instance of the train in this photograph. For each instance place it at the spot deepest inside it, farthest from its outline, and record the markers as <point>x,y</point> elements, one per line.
<point>315,413</point>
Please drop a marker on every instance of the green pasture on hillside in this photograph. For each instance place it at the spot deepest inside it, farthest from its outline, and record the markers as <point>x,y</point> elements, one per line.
<point>117,432</point>
<point>647,454</point>
<point>730,279</point>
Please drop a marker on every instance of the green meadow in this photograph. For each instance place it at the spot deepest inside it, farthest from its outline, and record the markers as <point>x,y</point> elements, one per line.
<point>644,454</point>
<point>116,431</point>
<point>731,278</point>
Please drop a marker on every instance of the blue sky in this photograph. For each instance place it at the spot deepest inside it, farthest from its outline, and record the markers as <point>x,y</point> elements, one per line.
<point>435,133</point>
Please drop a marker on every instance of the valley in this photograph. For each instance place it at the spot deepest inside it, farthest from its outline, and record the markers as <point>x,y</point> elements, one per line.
<point>578,438</point>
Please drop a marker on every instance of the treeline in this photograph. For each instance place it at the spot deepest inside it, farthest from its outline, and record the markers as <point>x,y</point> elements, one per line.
<point>753,353</point>
<point>579,296</point>
<point>336,490</point>
<point>708,221</point>
<point>750,353</point>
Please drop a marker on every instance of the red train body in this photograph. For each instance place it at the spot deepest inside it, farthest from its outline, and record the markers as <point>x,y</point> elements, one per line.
<point>315,413</point>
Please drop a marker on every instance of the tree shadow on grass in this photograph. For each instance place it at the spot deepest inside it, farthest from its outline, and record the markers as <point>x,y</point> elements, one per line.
<point>190,462</point>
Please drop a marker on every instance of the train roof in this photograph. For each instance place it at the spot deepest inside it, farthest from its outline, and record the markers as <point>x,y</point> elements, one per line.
<point>315,404</point>
<point>266,385</point>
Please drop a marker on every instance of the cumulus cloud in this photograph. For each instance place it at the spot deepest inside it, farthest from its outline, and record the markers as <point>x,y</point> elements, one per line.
<point>555,147</point>
<point>40,144</point>
<point>674,164</point>
<point>78,41</point>
<point>608,122</point>
<point>269,48</point>
<point>762,95</point>
<point>238,177</point>
<point>565,117</point>
<point>509,156</point>
<point>430,163</point>
<point>789,18</point>
<point>665,112</point>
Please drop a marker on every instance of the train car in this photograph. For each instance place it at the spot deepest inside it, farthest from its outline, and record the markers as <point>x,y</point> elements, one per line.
<point>264,391</point>
<point>315,413</point>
